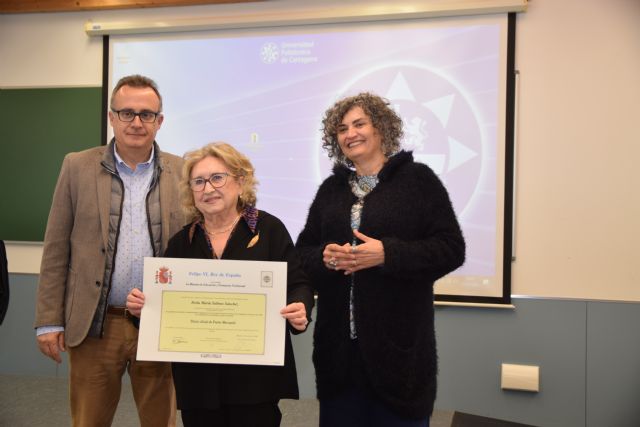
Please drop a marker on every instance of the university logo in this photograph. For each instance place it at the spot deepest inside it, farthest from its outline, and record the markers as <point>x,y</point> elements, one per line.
<point>266,279</point>
<point>269,53</point>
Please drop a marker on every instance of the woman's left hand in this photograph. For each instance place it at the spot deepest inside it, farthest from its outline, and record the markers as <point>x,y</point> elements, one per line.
<point>370,253</point>
<point>296,314</point>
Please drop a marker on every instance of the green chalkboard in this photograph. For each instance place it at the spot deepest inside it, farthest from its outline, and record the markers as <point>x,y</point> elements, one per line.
<point>37,128</point>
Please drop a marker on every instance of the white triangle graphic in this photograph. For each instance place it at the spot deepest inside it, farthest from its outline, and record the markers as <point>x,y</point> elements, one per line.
<point>400,89</point>
<point>459,154</point>
<point>434,161</point>
<point>441,107</point>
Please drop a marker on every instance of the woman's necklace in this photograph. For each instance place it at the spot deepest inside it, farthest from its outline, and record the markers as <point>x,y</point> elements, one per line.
<point>226,230</point>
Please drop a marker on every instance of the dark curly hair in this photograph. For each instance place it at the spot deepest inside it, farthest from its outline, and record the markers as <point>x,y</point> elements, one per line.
<point>383,118</point>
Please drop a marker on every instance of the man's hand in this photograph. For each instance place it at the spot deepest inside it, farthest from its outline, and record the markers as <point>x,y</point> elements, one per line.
<point>135,302</point>
<point>51,344</point>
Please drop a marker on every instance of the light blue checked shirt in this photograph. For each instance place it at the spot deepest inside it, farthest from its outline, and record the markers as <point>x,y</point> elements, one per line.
<point>134,242</point>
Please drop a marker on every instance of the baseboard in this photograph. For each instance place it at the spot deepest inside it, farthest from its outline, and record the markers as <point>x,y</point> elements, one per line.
<point>460,419</point>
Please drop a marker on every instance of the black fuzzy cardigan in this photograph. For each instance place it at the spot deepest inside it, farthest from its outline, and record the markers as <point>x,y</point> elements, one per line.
<point>208,386</point>
<point>410,212</point>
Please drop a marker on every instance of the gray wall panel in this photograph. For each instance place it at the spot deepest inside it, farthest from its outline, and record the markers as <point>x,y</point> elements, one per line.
<point>474,342</point>
<point>588,353</point>
<point>613,364</point>
<point>20,354</point>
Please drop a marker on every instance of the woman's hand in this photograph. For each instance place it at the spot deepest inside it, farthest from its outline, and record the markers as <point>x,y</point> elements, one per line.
<point>296,314</point>
<point>135,302</point>
<point>369,253</point>
<point>348,258</point>
<point>337,257</point>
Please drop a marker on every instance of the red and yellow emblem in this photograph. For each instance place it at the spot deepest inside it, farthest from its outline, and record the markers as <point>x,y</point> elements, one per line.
<point>163,275</point>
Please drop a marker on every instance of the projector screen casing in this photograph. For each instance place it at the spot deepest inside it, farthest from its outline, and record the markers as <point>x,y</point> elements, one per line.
<point>265,91</point>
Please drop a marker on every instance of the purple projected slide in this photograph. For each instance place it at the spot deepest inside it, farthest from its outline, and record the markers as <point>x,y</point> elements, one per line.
<point>266,95</point>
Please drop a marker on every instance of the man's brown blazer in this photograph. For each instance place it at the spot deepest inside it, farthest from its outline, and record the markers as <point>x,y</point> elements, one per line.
<point>75,243</point>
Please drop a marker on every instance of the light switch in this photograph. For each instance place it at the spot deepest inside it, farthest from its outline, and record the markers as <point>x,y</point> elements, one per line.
<point>520,377</point>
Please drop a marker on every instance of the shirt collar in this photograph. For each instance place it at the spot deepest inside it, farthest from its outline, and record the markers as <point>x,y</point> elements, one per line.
<point>121,162</point>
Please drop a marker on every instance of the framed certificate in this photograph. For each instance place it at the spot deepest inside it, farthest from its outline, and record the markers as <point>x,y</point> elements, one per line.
<point>213,311</point>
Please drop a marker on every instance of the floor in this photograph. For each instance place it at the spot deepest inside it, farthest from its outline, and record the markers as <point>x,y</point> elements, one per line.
<point>42,402</point>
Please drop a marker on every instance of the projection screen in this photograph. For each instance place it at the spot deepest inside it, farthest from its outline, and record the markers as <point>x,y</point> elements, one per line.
<point>265,90</point>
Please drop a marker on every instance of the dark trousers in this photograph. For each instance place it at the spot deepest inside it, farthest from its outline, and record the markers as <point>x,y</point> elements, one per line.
<point>258,415</point>
<point>358,406</point>
<point>355,407</point>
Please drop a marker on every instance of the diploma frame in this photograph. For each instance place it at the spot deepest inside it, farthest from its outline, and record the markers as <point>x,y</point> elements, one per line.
<point>213,311</point>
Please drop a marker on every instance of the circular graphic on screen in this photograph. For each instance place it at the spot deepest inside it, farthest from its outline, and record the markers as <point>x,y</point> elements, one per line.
<point>440,125</point>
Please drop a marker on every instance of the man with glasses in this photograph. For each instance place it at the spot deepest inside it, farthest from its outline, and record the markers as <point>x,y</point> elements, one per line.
<point>112,206</point>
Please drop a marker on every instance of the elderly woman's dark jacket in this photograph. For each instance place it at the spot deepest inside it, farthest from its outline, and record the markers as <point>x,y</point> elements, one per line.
<point>208,386</point>
<point>410,212</point>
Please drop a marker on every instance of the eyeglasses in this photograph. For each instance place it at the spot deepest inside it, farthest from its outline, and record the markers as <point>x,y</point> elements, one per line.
<point>130,115</point>
<point>216,180</point>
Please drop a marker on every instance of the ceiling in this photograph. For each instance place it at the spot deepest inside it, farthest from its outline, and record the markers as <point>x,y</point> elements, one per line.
<point>29,6</point>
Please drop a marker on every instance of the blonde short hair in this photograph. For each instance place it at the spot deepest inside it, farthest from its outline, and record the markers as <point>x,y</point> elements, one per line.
<point>237,163</point>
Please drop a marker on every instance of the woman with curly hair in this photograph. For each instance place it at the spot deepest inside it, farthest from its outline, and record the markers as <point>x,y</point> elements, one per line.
<point>379,232</point>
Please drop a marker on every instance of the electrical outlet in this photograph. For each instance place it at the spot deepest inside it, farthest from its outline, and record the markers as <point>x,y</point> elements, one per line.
<point>520,377</point>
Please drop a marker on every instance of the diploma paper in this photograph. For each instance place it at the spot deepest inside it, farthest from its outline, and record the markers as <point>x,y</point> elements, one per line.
<point>213,311</point>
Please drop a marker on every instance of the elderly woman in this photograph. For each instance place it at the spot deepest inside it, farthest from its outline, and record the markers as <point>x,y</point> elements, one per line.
<point>380,231</point>
<point>219,197</point>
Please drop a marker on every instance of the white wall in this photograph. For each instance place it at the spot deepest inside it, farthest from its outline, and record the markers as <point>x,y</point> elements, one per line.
<point>48,50</point>
<point>577,206</point>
